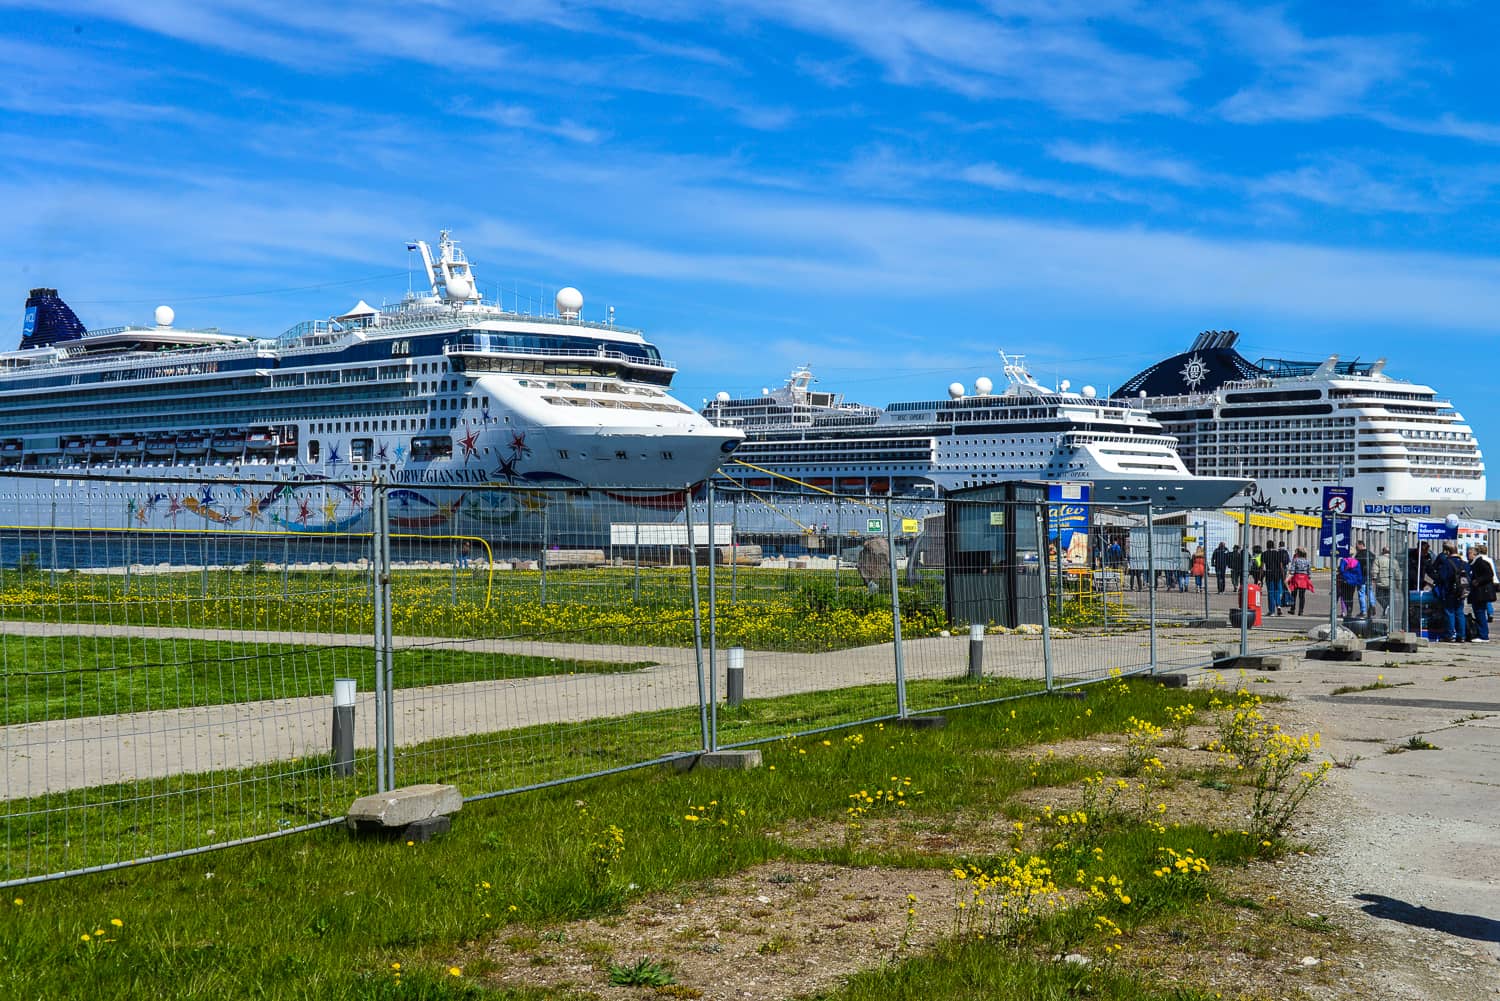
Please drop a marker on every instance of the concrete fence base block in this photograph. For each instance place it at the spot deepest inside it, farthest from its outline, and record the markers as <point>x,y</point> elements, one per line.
<point>415,813</point>
<point>921,722</point>
<point>1069,693</point>
<point>1173,680</point>
<point>1336,652</point>
<point>1398,643</point>
<point>735,761</point>
<point>1250,662</point>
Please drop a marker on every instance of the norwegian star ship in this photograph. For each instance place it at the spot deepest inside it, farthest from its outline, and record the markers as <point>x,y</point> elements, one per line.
<point>1294,427</point>
<point>438,394</point>
<point>925,449</point>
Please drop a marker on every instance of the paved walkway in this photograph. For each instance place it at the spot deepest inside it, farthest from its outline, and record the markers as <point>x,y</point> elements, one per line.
<point>57,755</point>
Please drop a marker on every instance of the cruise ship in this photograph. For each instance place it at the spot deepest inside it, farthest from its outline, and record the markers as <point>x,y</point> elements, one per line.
<point>816,441</point>
<point>439,394</point>
<point>1293,427</point>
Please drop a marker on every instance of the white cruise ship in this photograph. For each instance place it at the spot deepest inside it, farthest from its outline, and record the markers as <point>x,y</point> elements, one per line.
<point>1294,427</point>
<point>924,449</point>
<point>438,394</point>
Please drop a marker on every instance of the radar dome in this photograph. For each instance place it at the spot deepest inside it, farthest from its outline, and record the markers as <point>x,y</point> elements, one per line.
<point>458,287</point>
<point>164,316</point>
<point>722,396</point>
<point>1065,385</point>
<point>983,385</point>
<point>569,302</point>
<point>1089,391</point>
<point>956,390</point>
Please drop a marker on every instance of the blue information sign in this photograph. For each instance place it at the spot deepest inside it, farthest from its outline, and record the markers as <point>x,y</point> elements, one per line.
<point>1428,531</point>
<point>1335,534</point>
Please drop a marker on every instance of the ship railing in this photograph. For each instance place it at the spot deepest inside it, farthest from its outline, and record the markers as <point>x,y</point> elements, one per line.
<point>477,345</point>
<point>164,359</point>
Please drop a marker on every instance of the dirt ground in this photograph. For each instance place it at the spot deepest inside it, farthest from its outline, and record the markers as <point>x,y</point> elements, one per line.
<point>1290,929</point>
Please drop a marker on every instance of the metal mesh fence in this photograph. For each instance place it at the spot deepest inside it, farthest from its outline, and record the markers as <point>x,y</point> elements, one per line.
<point>169,653</point>
<point>171,650</point>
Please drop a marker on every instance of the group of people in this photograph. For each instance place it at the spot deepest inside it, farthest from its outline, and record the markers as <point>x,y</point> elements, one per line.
<point>1464,591</point>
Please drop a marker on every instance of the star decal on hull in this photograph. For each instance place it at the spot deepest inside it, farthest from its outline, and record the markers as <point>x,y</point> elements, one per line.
<point>470,444</point>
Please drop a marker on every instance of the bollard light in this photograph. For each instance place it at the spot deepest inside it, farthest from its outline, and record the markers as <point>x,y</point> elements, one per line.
<point>344,690</point>
<point>735,677</point>
<point>976,651</point>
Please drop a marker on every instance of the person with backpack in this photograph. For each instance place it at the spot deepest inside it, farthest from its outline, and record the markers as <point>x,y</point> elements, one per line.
<point>1481,591</point>
<point>1366,597</point>
<point>1450,586</point>
<point>1351,578</point>
<point>1257,574</point>
<point>1273,565</point>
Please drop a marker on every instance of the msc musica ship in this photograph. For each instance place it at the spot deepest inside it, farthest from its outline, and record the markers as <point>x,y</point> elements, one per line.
<point>438,394</point>
<point>924,449</point>
<point>1293,427</point>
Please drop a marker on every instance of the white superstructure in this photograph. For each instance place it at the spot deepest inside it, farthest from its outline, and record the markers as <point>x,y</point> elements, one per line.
<point>441,392</point>
<point>1294,427</point>
<point>1024,432</point>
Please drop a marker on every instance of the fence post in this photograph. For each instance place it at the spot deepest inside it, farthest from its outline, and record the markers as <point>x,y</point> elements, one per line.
<point>1044,572</point>
<point>1333,573</point>
<point>1245,582</point>
<point>734,550</point>
<point>637,549</point>
<point>838,536</point>
<point>54,542</point>
<point>1203,580</point>
<point>546,518</point>
<point>890,547</point>
<point>713,631</point>
<point>379,594</point>
<point>1390,565</point>
<point>697,622</point>
<point>1151,581</point>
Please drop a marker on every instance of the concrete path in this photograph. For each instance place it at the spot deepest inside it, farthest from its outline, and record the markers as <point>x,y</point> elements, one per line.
<point>1409,840</point>
<point>58,755</point>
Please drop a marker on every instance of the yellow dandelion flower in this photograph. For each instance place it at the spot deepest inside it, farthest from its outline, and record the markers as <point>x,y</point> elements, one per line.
<point>395,966</point>
<point>454,971</point>
<point>117,922</point>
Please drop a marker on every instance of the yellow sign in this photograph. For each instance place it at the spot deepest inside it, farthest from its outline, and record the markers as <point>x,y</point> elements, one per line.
<point>997,518</point>
<point>910,526</point>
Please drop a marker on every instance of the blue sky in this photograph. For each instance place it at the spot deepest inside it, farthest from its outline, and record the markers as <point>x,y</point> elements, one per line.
<point>890,191</point>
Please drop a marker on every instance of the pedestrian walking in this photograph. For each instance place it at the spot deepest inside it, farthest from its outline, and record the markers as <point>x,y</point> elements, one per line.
<point>1236,567</point>
<point>1220,564</point>
<point>1481,591</point>
<point>1273,564</point>
<point>1198,568</point>
<point>1382,572</point>
<point>1366,589</point>
<point>1450,586</point>
<point>1299,580</point>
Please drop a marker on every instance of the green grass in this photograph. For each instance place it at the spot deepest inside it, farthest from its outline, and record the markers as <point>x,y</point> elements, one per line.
<point>759,609</point>
<point>66,677</point>
<point>324,915</point>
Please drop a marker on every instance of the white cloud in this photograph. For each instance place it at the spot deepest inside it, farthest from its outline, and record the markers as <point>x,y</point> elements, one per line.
<point>1302,78</point>
<point>514,116</point>
<point>1123,162</point>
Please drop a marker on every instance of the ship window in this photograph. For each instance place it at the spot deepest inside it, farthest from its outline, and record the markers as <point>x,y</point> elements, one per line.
<point>359,450</point>
<point>312,450</point>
